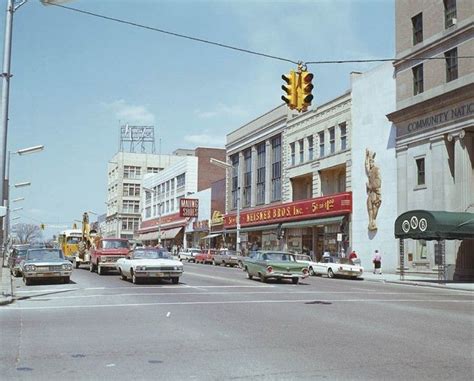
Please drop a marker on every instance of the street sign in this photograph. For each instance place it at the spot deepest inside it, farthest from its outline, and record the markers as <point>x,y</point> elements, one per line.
<point>3,211</point>
<point>339,237</point>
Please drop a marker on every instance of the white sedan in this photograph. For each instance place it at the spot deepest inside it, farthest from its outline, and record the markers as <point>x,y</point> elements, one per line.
<point>338,267</point>
<point>306,259</point>
<point>149,263</point>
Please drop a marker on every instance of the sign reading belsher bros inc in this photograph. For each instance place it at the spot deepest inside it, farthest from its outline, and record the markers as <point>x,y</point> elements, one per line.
<point>337,204</point>
<point>188,207</point>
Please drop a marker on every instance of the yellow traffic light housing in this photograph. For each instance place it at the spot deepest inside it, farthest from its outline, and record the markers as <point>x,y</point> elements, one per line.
<point>305,88</point>
<point>291,97</point>
<point>42,226</point>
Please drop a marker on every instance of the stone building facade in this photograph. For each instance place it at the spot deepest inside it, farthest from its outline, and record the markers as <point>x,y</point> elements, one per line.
<point>434,121</point>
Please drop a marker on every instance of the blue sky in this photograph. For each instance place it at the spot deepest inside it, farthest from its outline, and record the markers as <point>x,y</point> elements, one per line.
<point>76,78</point>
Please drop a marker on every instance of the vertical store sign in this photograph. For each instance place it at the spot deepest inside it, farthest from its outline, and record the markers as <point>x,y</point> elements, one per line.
<point>188,207</point>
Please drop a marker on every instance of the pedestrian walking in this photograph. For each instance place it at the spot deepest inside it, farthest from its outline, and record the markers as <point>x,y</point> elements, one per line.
<point>377,261</point>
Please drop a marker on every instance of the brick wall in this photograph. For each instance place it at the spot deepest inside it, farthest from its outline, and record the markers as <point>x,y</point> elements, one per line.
<point>207,172</point>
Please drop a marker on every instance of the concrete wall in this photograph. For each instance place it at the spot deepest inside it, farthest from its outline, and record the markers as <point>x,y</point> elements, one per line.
<point>373,96</point>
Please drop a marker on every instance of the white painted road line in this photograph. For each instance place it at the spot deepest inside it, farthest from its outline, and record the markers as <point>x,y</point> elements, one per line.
<point>205,293</point>
<point>16,307</point>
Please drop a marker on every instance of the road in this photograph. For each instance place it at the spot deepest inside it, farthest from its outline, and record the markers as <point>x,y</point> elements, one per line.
<point>217,325</point>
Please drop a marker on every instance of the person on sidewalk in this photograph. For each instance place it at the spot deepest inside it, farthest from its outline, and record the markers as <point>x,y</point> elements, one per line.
<point>377,261</point>
<point>353,257</point>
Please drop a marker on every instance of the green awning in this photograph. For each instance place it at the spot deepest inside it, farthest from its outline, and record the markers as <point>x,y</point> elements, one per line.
<point>314,222</point>
<point>434,225</point>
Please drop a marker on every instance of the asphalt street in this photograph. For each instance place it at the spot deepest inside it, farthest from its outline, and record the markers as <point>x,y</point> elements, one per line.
<point>218,325</point>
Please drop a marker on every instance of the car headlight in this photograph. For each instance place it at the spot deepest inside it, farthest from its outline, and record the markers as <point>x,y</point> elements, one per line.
<point>30,267</point>
<point>67,267</point>
<point>140,268</point>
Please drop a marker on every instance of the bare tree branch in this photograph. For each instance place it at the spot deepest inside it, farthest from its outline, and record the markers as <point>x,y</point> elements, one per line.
<point>27,233</point>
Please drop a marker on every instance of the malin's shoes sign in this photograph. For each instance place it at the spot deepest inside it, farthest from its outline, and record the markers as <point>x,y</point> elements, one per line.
<point>188,207</point>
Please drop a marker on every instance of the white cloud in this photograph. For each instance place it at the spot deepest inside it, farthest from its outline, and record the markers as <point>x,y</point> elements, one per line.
<point>132,114</point>
<point>205,140</point>
<point>221,110</point>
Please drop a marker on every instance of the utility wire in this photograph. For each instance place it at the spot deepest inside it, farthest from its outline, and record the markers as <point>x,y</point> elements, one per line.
<point>201,40</point>
<point>173,33</point>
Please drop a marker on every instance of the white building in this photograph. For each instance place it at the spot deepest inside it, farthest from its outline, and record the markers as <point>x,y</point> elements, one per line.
<point>373,96</point>
<point>125,174</point>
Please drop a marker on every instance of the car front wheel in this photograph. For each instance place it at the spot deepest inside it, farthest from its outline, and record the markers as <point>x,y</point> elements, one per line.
<point>249,276</point>
<point>134,278</point>
<point>311,272</point>
<point>295,280</point>
<point>175,280</point>
<point>27,281</point>
<point>66,279</point>
<point>330,273</point>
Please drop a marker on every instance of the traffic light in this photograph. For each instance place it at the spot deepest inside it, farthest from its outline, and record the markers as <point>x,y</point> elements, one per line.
<point>305,87</point>
<point>291,97</point>
<point>42,226</point>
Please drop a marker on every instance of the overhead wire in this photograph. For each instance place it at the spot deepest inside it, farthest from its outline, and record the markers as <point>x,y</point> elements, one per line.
<point>248,51</point>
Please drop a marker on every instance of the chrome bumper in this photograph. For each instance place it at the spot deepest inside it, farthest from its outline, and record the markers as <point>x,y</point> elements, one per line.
<point>48,274</point>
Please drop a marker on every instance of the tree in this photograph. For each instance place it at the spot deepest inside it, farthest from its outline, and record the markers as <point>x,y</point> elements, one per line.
<point>27,233</point>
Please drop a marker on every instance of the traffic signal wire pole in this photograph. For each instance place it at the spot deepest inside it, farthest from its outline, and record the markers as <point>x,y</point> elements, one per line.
<point>225,165</point>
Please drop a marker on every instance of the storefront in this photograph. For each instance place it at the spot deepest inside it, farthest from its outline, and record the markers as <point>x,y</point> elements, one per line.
<point>311,226</point>
<point>167,229</point>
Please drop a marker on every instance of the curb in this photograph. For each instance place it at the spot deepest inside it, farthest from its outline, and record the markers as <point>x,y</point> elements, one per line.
<point>421,284</point>
<point>6,296</point>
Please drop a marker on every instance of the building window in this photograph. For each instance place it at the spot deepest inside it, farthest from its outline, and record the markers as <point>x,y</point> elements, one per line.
<point>301,151</point>
<point>131,172</point>
<point>152,170</point>
<point>343,131</point>
<point>276,168</point>
<point>172,204</point>
<point>310,148</point>
<point>261,173</point>
<point>417,22</point>
<point>417,79</point>
<point>420,169</point>
<point>129,206</point>
<point>451,64</point>
<point>235,179</point>
<point>130,224</point>
<point>247,177</point>
<point>449,13</point>
<point>332,140</point>
<point>131,190</point>
<point>292,153</point>
<point>180,180</point>
<point>321,144</point>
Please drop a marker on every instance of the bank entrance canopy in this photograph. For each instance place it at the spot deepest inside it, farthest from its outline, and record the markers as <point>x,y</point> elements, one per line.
<point>434,225</point>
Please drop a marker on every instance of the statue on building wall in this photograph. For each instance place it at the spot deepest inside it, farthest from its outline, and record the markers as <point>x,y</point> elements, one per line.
<point>373,185</point>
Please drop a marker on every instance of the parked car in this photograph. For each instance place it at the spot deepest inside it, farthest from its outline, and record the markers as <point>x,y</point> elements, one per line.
<point>188,254</point>
<point>334,266</point>
<point>205,256</point>
<point>306,259</point>
<point>45,263</point>
<point>17,254</point>
<point>226,257</point>
<point>149,263</point>
<point>276,265</point>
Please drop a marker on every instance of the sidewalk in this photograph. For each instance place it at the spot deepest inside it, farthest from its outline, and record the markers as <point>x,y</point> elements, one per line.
<point>6,296</point>
<point>418,280</point>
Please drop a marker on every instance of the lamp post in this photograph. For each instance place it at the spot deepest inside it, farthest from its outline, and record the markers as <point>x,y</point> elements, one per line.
<point>225,165</point>
<point>153,195</point>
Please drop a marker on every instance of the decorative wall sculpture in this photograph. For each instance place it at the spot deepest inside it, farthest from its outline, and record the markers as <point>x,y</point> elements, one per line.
<point>373,187</point>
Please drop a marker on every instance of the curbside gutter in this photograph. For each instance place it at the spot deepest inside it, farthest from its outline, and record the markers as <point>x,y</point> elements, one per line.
<point>448,286</point>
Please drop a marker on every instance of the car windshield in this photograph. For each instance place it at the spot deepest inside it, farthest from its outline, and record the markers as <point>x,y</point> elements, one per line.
<point>151,254</point>
<point>114,244</point>
<point>303,258</point>
<point>283,257</point>
<point>21,253</point>
<point>44,255</point>
<point>344,261</point>
<point>73,240</point>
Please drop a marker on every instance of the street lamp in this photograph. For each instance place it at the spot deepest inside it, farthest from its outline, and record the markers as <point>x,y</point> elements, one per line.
<point>18,199</point>
<point>153,195</point>
<point>23,184</point>
<point>225,165</point>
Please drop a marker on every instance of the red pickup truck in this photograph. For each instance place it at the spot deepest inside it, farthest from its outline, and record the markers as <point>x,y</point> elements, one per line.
<point>106,253</point>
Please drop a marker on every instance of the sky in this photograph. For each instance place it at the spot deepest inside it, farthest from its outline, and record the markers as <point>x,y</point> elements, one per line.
<point>77,78</point>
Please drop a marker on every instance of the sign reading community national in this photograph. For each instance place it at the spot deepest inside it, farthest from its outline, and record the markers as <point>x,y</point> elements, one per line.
<point>188,207</point>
